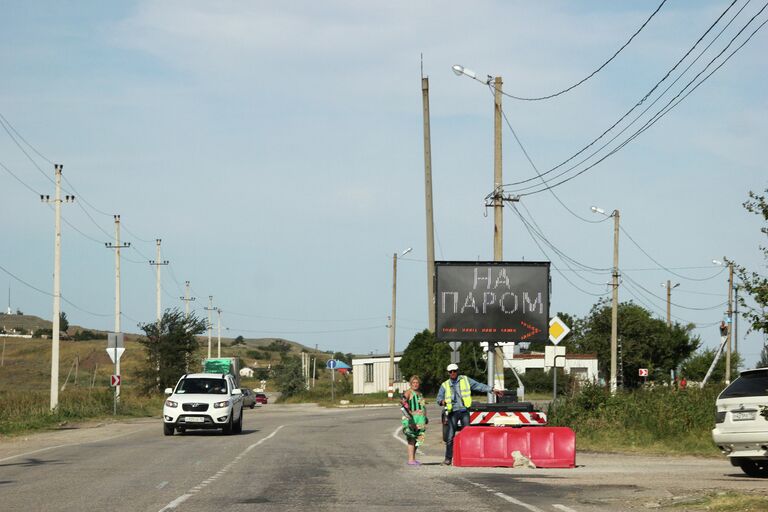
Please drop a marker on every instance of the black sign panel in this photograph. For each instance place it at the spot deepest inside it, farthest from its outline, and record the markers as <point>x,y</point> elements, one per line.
<point>492,301</point>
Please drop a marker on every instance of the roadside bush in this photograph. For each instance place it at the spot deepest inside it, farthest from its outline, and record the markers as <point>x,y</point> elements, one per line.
<point>668,419</point>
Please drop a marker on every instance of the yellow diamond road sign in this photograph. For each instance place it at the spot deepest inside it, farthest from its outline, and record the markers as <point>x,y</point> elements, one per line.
<point>557,330</point>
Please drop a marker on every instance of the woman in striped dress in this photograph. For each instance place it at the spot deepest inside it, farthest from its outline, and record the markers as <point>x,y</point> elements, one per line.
<point>414,418</point>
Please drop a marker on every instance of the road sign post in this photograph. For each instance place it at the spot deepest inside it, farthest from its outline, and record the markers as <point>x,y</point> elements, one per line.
<point>115,349</point>
<point>331,365</point>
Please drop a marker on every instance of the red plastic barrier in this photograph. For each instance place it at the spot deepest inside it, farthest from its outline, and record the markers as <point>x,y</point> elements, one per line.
<point>547,447</point>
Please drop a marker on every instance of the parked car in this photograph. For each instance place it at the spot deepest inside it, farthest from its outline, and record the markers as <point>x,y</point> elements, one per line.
<point>261,398</point>
<point>741,422</point>
<point>249,398</point>
<point>204,401</point>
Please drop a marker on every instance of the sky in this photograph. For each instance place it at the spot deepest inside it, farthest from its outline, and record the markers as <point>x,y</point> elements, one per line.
<point>276,148</point>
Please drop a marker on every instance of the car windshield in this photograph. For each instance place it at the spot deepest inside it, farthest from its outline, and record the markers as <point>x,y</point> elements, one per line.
<point>202,386</point>
<point>749,384</point>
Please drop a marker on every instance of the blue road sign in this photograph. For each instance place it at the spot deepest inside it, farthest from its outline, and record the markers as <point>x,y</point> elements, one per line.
<point>331,364</point>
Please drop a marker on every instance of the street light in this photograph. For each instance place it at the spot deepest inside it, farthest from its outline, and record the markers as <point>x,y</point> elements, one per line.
<point>669,286</point>
<point>615,295</point>
<point>392,324</point>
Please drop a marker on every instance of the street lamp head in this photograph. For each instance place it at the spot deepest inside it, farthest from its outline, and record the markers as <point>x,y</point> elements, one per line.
<point>717,262</point>
<point>461,70</point>
<point>406,251</point>
<point>595,209</point>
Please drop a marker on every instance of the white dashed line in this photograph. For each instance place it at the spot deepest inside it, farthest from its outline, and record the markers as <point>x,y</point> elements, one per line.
<point>184,497</point>
<point>162,484</point>
<point>563,508</point>
<point>517,502</point>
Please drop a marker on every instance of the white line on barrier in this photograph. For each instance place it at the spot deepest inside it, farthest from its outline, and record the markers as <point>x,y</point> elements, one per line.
<point>184,497</point>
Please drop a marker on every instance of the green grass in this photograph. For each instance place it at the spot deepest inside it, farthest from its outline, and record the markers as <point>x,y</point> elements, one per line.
<point>725,502</point>
<point>652,421</point>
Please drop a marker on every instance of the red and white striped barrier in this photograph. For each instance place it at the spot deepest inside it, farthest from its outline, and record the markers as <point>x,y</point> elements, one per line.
<point>507,418</point>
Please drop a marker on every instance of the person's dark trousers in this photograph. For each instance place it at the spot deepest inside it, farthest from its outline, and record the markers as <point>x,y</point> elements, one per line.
<point>454,420</point>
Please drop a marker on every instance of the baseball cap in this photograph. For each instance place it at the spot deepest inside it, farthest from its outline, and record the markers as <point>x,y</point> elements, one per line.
<point>453,366</point>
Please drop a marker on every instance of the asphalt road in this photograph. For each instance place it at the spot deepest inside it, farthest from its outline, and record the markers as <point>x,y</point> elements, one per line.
<point>301,457</point>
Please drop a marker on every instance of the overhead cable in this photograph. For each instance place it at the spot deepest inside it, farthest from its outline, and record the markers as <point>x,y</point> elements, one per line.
<point>596,71</point>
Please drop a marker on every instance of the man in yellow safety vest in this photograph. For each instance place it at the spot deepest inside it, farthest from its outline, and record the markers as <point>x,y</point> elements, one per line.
<point>456,395</point>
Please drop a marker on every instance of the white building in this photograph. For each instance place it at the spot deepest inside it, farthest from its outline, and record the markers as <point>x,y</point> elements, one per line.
<point>581,366</point>
<point>371,375</point>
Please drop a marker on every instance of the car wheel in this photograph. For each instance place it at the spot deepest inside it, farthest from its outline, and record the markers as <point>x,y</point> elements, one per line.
<point>755,468</point>
<point>238,427</point>
<point>181,430</point>
<point>252,406</point>
<point>168,429</point>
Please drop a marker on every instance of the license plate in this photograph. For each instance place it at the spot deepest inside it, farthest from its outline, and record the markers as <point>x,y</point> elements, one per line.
<point>194,419</point>
<point>743,416</point>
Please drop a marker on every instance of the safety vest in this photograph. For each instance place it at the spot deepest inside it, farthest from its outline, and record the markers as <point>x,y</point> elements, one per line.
<point>466,393</point>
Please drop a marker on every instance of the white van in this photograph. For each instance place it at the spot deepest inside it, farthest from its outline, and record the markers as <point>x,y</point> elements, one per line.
<point>741,422</point>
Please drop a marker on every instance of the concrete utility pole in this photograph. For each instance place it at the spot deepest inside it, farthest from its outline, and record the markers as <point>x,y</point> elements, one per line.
<point>730,322</point>
<point>117,246</point>
<point>218,328</point>
<point>428,203</point>
<point>615,300</point>
<point>496,354</point>
<point>736,320</point>
<point>57,200</point>
<point>210,324</point>
<point>158,263</point>
<point>187,299</point>
<point>669,286</point>
<point>393,326</point>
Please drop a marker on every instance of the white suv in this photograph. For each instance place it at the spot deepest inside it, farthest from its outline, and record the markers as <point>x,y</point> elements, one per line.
<point>204,400</point>
<point>741,422</point>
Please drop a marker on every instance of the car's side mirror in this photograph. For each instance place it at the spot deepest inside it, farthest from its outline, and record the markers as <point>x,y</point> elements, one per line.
<point>237,391</point>
<point>168,391</point>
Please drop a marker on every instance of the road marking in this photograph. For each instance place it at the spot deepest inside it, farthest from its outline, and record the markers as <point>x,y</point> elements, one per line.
<point>69,444</point>
<point>184,497</point>
<point>394,434</point>
<point>517,502</point>
<point>162,484</point>
<point>563,508</point>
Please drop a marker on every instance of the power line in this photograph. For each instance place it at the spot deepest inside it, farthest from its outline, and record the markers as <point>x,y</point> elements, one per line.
<point>25,140</point>
<point>717,306</point>
<point>19,179</point>
<point>626,114</point>
<point>655,118</point>
<point>247,315</point>
<point>307,332</point>
<point>596,71</point>
<point>3,122</point>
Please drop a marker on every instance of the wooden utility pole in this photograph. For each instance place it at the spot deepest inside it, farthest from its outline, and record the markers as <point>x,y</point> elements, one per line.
<point>669,303</point>
<point>428,202</point>
<point>392,327</point>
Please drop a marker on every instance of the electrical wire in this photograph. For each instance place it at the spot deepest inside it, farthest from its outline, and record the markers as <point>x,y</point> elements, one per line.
<point>3,122</point>
<point>308,332</point>
<point>261,317</point>
<point>628,278</point>
<point>654,119</point>
<point>720,271</point>
<point>134,235</point>
<point>9,171</point>
<point>637,104</point>
<point>530,232</point>
<point>596,71</point>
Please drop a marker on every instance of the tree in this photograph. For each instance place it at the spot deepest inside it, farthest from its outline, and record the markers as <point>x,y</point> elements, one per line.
<point>238,341</point>
<point>696,366</point>
<point>763,362</point>
<point>428,359</point>
<point>755,284</point>
<point>646,342</point>
<point>63,322</point>
<point>288,376</point>
<point>169,346</point>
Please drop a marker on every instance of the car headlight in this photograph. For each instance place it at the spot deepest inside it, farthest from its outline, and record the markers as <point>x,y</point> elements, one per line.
<point>171,403</point>
<point>219,405</point>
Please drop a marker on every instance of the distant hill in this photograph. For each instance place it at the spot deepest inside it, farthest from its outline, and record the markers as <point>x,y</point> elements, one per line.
<point>28,324</point>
